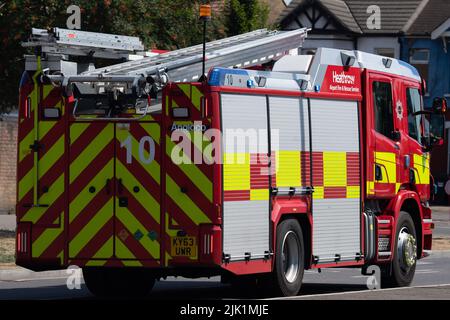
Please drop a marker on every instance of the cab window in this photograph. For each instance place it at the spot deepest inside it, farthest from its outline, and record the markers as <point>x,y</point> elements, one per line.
<point>382,105</point>
<point>414,104</point>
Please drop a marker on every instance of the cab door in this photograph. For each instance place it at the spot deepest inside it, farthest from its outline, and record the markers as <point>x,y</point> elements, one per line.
<point>137,191</point>
<point>417,162</point>
<point>384,142</point>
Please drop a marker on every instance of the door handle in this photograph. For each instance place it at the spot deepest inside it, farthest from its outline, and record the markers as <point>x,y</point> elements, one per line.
<point>108,186</point>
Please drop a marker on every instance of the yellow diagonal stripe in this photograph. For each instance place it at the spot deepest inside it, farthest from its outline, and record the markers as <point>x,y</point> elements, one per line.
<point>55,190</point>
<point>132,224</point>
<point>91,229</point>
<point>85,197</point>
<point>76,130</point>
<point>185,203</point>
<point>51,157</point>
<point>24,145</point>
<point>146,199</point>
<point>102,253</point>
<point>197,177</point>
<point>153,168</point>
<point>46,239</point>
<point>91,151</point>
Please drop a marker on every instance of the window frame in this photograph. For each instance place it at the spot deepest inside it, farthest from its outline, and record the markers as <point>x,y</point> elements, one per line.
<point>421,127</point>
<point>375,109</point>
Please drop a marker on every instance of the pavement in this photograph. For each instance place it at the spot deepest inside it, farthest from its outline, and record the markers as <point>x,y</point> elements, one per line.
<point>441,219</point>
<point>432,282</point>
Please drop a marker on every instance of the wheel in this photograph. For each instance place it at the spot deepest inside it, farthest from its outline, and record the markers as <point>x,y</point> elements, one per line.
<point>115,282</point>
<point>400,272</point>
<point>289,259</point>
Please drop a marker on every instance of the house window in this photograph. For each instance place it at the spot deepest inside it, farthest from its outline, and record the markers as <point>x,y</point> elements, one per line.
<point>386,52</point>
<point>420,59</point>
<point>382,106</point>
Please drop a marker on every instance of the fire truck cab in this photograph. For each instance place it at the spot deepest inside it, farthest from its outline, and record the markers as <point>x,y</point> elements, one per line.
<point>321,162</point>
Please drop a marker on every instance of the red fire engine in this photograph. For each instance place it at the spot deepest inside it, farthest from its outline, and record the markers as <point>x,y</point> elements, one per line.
<point>321,162</point>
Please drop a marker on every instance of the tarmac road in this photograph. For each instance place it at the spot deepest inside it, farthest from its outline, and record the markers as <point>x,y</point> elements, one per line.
<point>433,271</point>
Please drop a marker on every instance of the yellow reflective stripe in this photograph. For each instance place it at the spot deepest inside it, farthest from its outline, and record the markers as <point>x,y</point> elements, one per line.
<point>288,168</point>
<point>197,177</point>
<point>76,130</point>
<point>259,194</point>
<point>387,162</point>
<point>146,199</point>
<point>25,184</point>
<point>422,168</point>
<point>85,197</point>
<point>55,190</point>
<point>335,169</point>
<point>196,97</point>
<point>51,157</point>
<point>318,193</point>
<point>132,224</point>
<point>236,171</point>
<point>24,146</point>
<point>90,152</point>
<point>91,228</point>
<point>46,239</point>
<point>185,203</point>
<point>153,131</point>
<point>103,252</point>
<point>353,192</point>
<point>370,187</point>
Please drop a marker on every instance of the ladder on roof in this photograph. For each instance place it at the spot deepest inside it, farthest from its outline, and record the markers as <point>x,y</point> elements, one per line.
<point>83,43</point>
<point>147,76</point>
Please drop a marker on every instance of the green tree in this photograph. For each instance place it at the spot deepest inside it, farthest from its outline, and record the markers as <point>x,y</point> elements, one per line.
<point>246,15</point>
<point>162,24</point>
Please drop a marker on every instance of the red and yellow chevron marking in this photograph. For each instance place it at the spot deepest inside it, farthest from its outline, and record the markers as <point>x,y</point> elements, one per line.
<point>41,174</point>
<point>186,209</point>
<point>91,203</point>
<point>138,224</point>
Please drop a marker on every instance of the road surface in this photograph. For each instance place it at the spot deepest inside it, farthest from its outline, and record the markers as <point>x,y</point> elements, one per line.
<point>330,284</point>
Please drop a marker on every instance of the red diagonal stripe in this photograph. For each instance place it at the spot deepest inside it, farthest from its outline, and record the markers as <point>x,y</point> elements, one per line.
<point>139,212</point>
<point>180,217</point>
<point>88,213</point>
<point>95,166</point>
<point>182,180</point>
<point>55,247</point>
<point>89,134</point>
<point>95,244</point>
<point>52,136</point>
<point>53,98</point>
<point>139,173</point>
<point>133,244</point>
<point>25,166</point>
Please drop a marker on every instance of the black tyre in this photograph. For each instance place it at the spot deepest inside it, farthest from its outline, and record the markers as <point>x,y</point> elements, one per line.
<point>114,282</point>
<point>289,259</point>
<point>400,272</point>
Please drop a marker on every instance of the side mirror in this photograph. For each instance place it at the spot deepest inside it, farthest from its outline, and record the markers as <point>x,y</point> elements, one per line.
<point>435,130</point>
<point>439,105</point>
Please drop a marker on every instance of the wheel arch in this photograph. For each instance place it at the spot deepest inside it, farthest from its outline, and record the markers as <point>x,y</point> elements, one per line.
<point>305,223</point>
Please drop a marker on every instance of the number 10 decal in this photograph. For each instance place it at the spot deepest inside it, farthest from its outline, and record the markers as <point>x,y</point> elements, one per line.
<point>145,159</point>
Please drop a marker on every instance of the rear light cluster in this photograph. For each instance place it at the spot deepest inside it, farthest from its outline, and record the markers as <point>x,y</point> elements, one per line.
<point>208,244</point>
<point>22,242</point>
